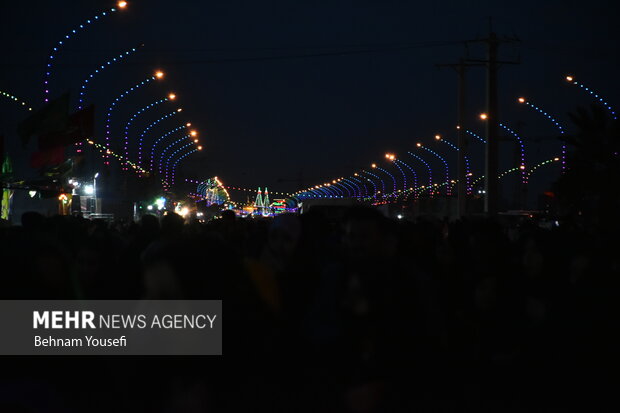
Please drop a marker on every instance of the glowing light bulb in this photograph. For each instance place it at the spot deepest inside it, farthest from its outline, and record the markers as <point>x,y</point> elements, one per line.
<point>521,100</point>
<point>569,78</point>
<point>159,74</point>
<point>484,116</point>
<point>122,4</point>
<point>172,96</point>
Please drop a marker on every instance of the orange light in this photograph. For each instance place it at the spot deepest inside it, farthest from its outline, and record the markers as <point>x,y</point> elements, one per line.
<point>193,133</point>
<point>159,74</point>
<point>521,100</point>
<point>180,110</point>
<point>195,140</point>
<point>172,96</point>
<point>556,159</point>
<point>484,116</point>
<point>374,165</point>
<point>188,124</point>
<point>438,137</point>
<point>569,78</point>
<point>419,145</point>
<point>122,4</point>
<point>200,148</point>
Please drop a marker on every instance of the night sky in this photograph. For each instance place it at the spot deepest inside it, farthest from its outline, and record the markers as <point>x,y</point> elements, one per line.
<point>318,88</point>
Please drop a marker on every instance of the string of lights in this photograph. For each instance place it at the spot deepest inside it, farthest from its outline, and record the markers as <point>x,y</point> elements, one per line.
<point>353,178</point>
<point>86,82</point>
<point>445,163</point>
<point>468,173</point>
<point>118,99</point>
<point>151,126</point>
<point>171,145</point>
<point>415,175</point>
<point>136,115</point>
<point>521,147</point>
<point>73,33</point>
<point>428,167</point>
<point>598,97</point>
<point>107,152</point>
<point>16,99</point>
<point>162,137</point>
<point>554,121</point>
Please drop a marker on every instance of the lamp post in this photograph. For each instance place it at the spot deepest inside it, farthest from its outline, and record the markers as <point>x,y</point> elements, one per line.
<point>95,192</point>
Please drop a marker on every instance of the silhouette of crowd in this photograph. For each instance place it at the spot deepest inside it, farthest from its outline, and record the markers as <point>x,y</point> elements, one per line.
<point>357,314</point>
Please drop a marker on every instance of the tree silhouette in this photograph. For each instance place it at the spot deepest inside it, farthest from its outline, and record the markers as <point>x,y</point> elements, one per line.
<point>590,188</point>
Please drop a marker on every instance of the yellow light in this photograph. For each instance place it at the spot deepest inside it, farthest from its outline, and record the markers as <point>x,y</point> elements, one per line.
<point>172,96</point>
<point>159,74</point>
<point>355,174</point>
<point>374,165</point>
<point>521,100</point>
<point>200,148</point>
<point>188,124</point>
<point>195,140</point>
<point>569,78</point>
<point>438,137</point>
<point>522,167</point>
<point>193,133</point>
<point>419,145</point>
<point>483,116</point>
<point>122,4</point>
<point>556,159</point>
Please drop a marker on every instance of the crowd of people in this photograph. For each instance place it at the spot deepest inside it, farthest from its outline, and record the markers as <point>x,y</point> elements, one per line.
<point>358,314</point>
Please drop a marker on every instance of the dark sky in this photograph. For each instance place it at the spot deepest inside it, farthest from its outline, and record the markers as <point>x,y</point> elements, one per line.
<point>319,87</point>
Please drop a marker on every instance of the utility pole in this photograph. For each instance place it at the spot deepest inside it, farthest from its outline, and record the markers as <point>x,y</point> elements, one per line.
<point>491,180</point>
<point>462,141</point>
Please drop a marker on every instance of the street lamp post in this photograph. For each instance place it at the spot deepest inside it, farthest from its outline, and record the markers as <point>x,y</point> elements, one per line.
<point>95,192</point>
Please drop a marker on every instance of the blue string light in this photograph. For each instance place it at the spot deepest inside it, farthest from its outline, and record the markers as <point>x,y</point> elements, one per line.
<point>167,164</point>
<point>428,168</point>
<point>133,118</point>
<point>554,121</point>
<point>355,187</point>
<point>594,94</point>
<point>116,101</point>
<point>365,192</point>
<point>86,82</point>
<point>522,148</point>
<point>148,128</point>
<point>176,163</point>
<point>388,173</point>
<point>415,176</point>
<point>445,163</point>
<point>162,137</point>
<point>56,49</point>
<point>169,147</point>
<point>468,173</point>
<point>475,135</point>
